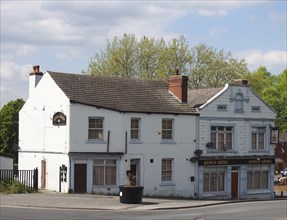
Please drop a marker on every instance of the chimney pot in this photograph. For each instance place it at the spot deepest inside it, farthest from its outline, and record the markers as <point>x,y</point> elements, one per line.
<point>241,82</point>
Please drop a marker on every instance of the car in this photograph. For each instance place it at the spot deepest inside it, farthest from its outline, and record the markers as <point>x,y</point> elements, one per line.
<point>284,172</point>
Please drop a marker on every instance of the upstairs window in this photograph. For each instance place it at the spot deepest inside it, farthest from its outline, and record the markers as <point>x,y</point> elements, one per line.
<point>238,104</point>
<point>167,129</point>
<point>221,107</point>
<point>96,128</point>
<point>222,137</point>
<point>255,108</point>
<point>135,129</point>
<point>258,138</point>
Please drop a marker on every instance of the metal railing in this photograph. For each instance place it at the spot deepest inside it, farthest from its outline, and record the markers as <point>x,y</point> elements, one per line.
<point>27,177</point>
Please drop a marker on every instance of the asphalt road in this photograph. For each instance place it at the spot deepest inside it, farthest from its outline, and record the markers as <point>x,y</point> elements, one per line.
<point>261,210</point>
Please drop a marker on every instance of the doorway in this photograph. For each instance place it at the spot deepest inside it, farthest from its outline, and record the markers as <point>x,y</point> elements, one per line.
<point>134,176</point>
<point>80,178</point>
<point>43,174</point>
<point>234,183</point>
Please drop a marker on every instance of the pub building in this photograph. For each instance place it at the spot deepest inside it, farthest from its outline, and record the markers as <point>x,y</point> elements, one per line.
<point>236,140</point>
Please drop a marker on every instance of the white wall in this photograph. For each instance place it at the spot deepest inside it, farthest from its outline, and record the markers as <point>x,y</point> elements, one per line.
<point>242,122</point>
<point>6,163</point>
<point>36,131</point>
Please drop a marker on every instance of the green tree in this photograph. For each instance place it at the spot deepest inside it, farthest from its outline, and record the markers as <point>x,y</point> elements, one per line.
<point>9,126</point>
<point>273,90</point>
<point>152,58</point>
<point>212,68</point>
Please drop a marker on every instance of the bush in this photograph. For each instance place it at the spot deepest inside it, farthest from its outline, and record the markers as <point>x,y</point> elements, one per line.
<point>14,187</point>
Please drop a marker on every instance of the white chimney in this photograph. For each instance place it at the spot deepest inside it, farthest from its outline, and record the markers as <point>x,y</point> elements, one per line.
<point>34,79</point>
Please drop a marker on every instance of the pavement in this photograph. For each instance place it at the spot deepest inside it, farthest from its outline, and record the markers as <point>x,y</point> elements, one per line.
<point>44,199</point>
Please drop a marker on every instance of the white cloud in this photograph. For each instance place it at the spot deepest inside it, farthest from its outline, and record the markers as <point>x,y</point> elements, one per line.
<point>275,61</point>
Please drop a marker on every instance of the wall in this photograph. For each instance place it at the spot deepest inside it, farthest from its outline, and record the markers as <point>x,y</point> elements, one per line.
<point>6,163</point>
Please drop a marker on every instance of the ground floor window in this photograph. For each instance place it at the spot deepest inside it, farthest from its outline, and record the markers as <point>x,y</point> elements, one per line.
<point>166,170</point>
<point>104,172</point>
<point>257,177</point>
<point>214,180</point>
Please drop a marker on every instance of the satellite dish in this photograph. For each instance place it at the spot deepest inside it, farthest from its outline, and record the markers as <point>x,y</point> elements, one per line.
<point>210,145</point>
<point>198,152</point>
<point>193,159</point>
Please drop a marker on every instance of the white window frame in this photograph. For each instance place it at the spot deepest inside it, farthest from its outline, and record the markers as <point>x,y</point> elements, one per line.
<point>238,102</point>
<point>257,132</point>
<point>171,130</point>
<point>133,129</point>
<point>105,164</point>
<point>164,169</point>
<point>225,132</point>
<point>252,171</point>
<point>101,129</point>
<point>211,172</point>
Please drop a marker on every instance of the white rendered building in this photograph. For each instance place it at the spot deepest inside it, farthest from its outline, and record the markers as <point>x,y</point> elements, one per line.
<point>86,133</point>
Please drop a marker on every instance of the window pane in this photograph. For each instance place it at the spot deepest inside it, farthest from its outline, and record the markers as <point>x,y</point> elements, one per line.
<point>221,181</point>
<point>213,182</point>
<point>249,180</point>
<point>134,134</point>
<point>206,182</point>
<point>257,180</point>
<point>166,173</point>
<point>95,134</point>
<point>228,141</point>
<point>98,175</point>
<point>254,141</point>
<point>261,141</point>
<point>265,179</point>
<point>110,175</point>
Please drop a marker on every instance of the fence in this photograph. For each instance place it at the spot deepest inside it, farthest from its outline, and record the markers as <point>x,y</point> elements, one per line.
<point>27,177</point>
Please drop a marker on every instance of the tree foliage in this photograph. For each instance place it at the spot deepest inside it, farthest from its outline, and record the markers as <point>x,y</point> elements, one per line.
<point>151,58</point>
<point>212,68</point>
<point>273,90</point>
<point>9,126</point>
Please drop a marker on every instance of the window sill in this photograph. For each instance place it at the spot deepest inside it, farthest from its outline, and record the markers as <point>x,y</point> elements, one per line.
<point>257,191</point>
<point>258,151</point>
<point>96,142</point>
<point>135,142</point>
<point>239,111</point>
<point>167,184</point>
<point>221,151</point>
<point>168,142</point>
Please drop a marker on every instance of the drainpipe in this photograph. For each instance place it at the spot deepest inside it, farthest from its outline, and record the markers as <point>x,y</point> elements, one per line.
<point>197,147</point>
<point>108,142</point>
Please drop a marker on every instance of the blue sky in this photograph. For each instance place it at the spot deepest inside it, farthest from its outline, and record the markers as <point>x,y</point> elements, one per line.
<point>64,35</point>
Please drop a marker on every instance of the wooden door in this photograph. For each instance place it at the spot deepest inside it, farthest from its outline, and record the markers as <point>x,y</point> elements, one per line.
<point>80,178</point>
<point>234,185</point>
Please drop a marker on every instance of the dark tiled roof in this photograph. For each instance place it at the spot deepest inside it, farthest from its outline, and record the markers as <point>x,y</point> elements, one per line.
<point>120,94</point>
<point>198,97</point>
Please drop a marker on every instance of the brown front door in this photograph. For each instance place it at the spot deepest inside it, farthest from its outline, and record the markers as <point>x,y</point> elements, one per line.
<point>234,185</point>
<point>80,178</point>
<point>43,174</point>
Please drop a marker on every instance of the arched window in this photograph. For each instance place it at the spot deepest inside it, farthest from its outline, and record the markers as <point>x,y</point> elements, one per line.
<point>238,102</point>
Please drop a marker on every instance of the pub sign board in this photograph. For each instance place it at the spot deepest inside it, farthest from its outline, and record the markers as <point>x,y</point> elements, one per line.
<point>59,119</point>
<point>236,161</point>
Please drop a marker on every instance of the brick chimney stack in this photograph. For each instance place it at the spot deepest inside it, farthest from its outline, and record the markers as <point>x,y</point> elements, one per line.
<point>178,86</point>
<point>241,82</point>
<point>35,77</point>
